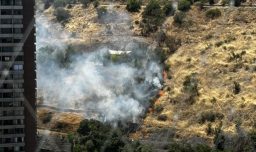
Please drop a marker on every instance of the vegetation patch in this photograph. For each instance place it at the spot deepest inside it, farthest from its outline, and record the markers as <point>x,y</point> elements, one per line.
<point>152,17</point>
<point>133,5</point>
<point>61,14</point>
<point>209,116</point>
<point>184,5</point>
<point>213,13</point>
<point>93,135</point>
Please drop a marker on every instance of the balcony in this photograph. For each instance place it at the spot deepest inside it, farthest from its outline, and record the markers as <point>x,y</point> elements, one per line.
<point>11,7</point>
<point>11,16</point>
<point>12,135</point>
<point>13,144</point>
<point>11,35</point>
<point>11,117</point>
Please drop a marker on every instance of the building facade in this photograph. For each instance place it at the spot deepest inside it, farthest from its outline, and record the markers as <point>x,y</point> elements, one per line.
<point>18,76</point>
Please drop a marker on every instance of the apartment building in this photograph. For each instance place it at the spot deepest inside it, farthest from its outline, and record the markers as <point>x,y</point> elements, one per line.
<point>18,76</point>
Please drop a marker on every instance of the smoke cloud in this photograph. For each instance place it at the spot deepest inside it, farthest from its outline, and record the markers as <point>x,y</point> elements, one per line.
<point>116,87</point>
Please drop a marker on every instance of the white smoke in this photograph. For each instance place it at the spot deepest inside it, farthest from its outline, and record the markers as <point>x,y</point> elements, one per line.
<point>91,81</point>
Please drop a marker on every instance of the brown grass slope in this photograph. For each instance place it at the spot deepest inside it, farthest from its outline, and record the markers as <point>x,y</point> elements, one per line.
<point>220,51</point>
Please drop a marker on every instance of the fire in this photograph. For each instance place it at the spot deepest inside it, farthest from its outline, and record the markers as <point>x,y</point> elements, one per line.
<point>164,75</point>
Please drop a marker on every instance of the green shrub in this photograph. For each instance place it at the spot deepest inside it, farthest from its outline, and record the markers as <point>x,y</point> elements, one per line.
<point>219,138</point>
<point>219,43</point>
<point>211,2</point>
<point>158,108</point>
<point>133,5</point>
<point>153,8</point>
<point>89,126</point>
<point>190,85</point>
<point>173,43</point>
<point>179,18</point>
<point>213,13</point>
<point>47,118</point>
<point>252,135</point>
<point>237,3</point>
<point>85,2</point>
<point>61,14</point>
<point>102,11</point>
<point>162,117</point>
<point>236,88</point>
<point>168,8</point>
<point>210,116</point>
<point>96,3</point>
<point>59,3</point>
<point>184,5</point>
<point>152,17</point>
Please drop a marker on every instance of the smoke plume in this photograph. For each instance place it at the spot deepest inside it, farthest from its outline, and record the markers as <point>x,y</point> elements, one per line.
<point>116,87</point>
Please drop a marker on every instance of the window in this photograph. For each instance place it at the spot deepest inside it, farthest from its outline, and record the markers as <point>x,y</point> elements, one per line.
<point>18,85</point>
<point>6,58</point>
<point>17,76</point>
<point>6,12</point>
<point>6,21</point>
<point>7,49</point>
<point>19,58</point>
<point>16,40</point>
<point>17,30</point>
<point>17,2</point>
<point>17,94</point>
<point>6,30</point>
<point>17,12</point>
<point>6,40</point>
<point>6,2</point>
<point>17,21</point>
<point>18,67</point>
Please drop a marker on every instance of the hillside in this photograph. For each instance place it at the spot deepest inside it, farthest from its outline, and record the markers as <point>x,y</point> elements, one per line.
<point>209,76</point>
<point>209,49</point>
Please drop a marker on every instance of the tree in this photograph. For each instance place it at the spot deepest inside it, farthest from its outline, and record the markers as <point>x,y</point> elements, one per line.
<point>61,14</point>
<point>184,5</point>
<point>133,5</point>
<point>237,3</point>
<point>168,8</point>
<point>153,16</point>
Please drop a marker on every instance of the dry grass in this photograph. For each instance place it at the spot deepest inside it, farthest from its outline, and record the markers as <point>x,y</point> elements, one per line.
<point>235,29</point>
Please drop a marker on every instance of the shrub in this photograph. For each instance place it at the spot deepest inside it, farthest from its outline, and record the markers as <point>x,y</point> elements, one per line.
<point>190,84</point>
<point>153,16</point>
<point>252,135</point>
<point>102,11</point>
<point>178,18</point>
<point>96,3</point>
<point>133,5</point>
<point>219,138</point>
<point>210,116</point>
<point>61,14</point>
<point>84,2</point>
<point>168,8</point>
<point>47,118</point>
<point>211,2</point>
<point>237,3</point>
<point>153,8</point>
<point>213,13</point>
<point>59,3</point>
<point>184,5</point>
<point>159,108</point>
<point>162,117</point>
<point>237,88</point>
<point>89,126</point>
<point>173,43</point>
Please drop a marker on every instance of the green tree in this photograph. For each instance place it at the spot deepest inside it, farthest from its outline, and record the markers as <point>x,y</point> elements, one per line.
<point>184,5</point>
<point>133,5</point>
<point>168,8</point>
